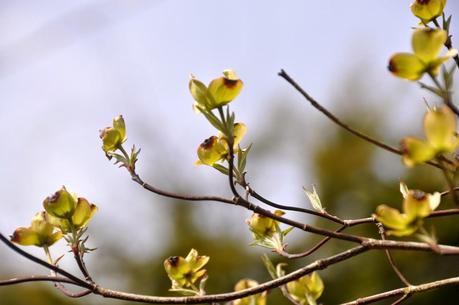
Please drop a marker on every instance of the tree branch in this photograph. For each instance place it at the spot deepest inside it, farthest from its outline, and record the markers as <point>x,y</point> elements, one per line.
<point>405,291</point>
<point>76,281</point>
<point>338,122</point>
<point>36,278</point>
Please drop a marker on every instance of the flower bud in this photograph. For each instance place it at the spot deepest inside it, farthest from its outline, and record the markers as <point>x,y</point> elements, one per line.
<point>308,285</point>
<point>184,272</point>
<point>427,44</point>
<point>427,10</point>
<point>211,151</point>
<point>113,137</point>
<point>225,89</point>
<point>257,299</point>
<point>262,225</point>
<point>41,233</point>
<point>416,151</point>
<point>62,204</point>
<point>440,129</point>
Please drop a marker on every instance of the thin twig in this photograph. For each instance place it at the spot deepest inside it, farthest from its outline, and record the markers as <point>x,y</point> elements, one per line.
<point>326,215</point>
<point>402,299</point>
<point>449,181</point>
<point>36,278</point>
<point>405,290</point>
<point>317,265</point>
<point>71,294</point>
<point>80,262</point>
<point>76,281</point>
<point>310,251</point>
<point>448,42</point>
<point>337,121</point>
<point>397,271</point>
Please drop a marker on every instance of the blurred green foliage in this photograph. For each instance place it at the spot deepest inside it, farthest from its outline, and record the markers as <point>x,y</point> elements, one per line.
<point>347,174</point>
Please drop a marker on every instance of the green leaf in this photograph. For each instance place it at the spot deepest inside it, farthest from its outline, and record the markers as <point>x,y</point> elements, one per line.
<point>222,169</point>
<point>314,199</point>
<point>242,158</point>
<point>119,158</point>
<point>202,283</point>
<point>434,90</point>
<point>213,119</point>
<point>286,231</point>
<point>446,22</point>
<point>133,157</point>
<point>269,266</point>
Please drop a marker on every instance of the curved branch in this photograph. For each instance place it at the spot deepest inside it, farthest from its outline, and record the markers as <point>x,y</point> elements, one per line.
<point>405,291</point>
<point>76,281</point>
<point>338,122</point>
<point>317,265</point>
<point>135,177</point>
<point>36,278</point>
<point>257,196</point>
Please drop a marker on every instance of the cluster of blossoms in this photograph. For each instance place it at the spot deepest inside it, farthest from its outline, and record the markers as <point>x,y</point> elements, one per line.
<point>64,213</point>
<point>440,122</point>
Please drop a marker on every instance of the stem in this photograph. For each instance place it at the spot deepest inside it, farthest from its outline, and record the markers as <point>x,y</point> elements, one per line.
<point>325,215</point>
<point>76,281</point>
<point>449,181</point>
<point>397,271</point>
<point>448,42</point>
<point>445,95</point>
<point>405,291</point>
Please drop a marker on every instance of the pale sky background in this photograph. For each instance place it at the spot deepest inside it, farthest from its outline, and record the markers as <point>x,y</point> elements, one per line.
<point>68,67</point>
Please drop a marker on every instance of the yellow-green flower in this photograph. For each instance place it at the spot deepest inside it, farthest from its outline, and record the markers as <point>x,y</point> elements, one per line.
<point>426,43</point>
<point>440,130</point>
<point>215,149</point>
<point>61,204</point>
<point>306,289</point>
<point>185,272</point>
<point>416,206</point>
<point>40,233</point>
<point>220,91</point>
<point>257,299</point>
<point>211,151</point>
<point>427,10</point>
<point>67,211</point>
<point>113,137</point>
<point>263,226</point>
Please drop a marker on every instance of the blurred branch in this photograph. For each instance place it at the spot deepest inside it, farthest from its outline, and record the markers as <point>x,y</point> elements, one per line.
<point>75,280</point>
<point>397,271</point>
<point>337,121</point>
<point>448,42</point>
<point>326,215</point>
<point>405,291</point>
<point>310,251</point>
<point>35,278</point>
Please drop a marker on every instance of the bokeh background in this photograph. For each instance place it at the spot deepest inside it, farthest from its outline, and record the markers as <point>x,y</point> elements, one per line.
<point>68,67</point>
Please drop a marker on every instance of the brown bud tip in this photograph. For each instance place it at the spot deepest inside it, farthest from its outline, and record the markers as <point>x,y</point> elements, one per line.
<point>173,260</point>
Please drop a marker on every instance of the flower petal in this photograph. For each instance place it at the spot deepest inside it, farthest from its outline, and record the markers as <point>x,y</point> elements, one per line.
<point>440,129</point>
<point>83,213</point>
<point>426,10</point>
<point>407,66</point>
<point>225,89</point>
<point>427,43</point>
<point>416,151</point>
<point>416,205</point>
<point>211,151</point>
<point>390,217</point>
